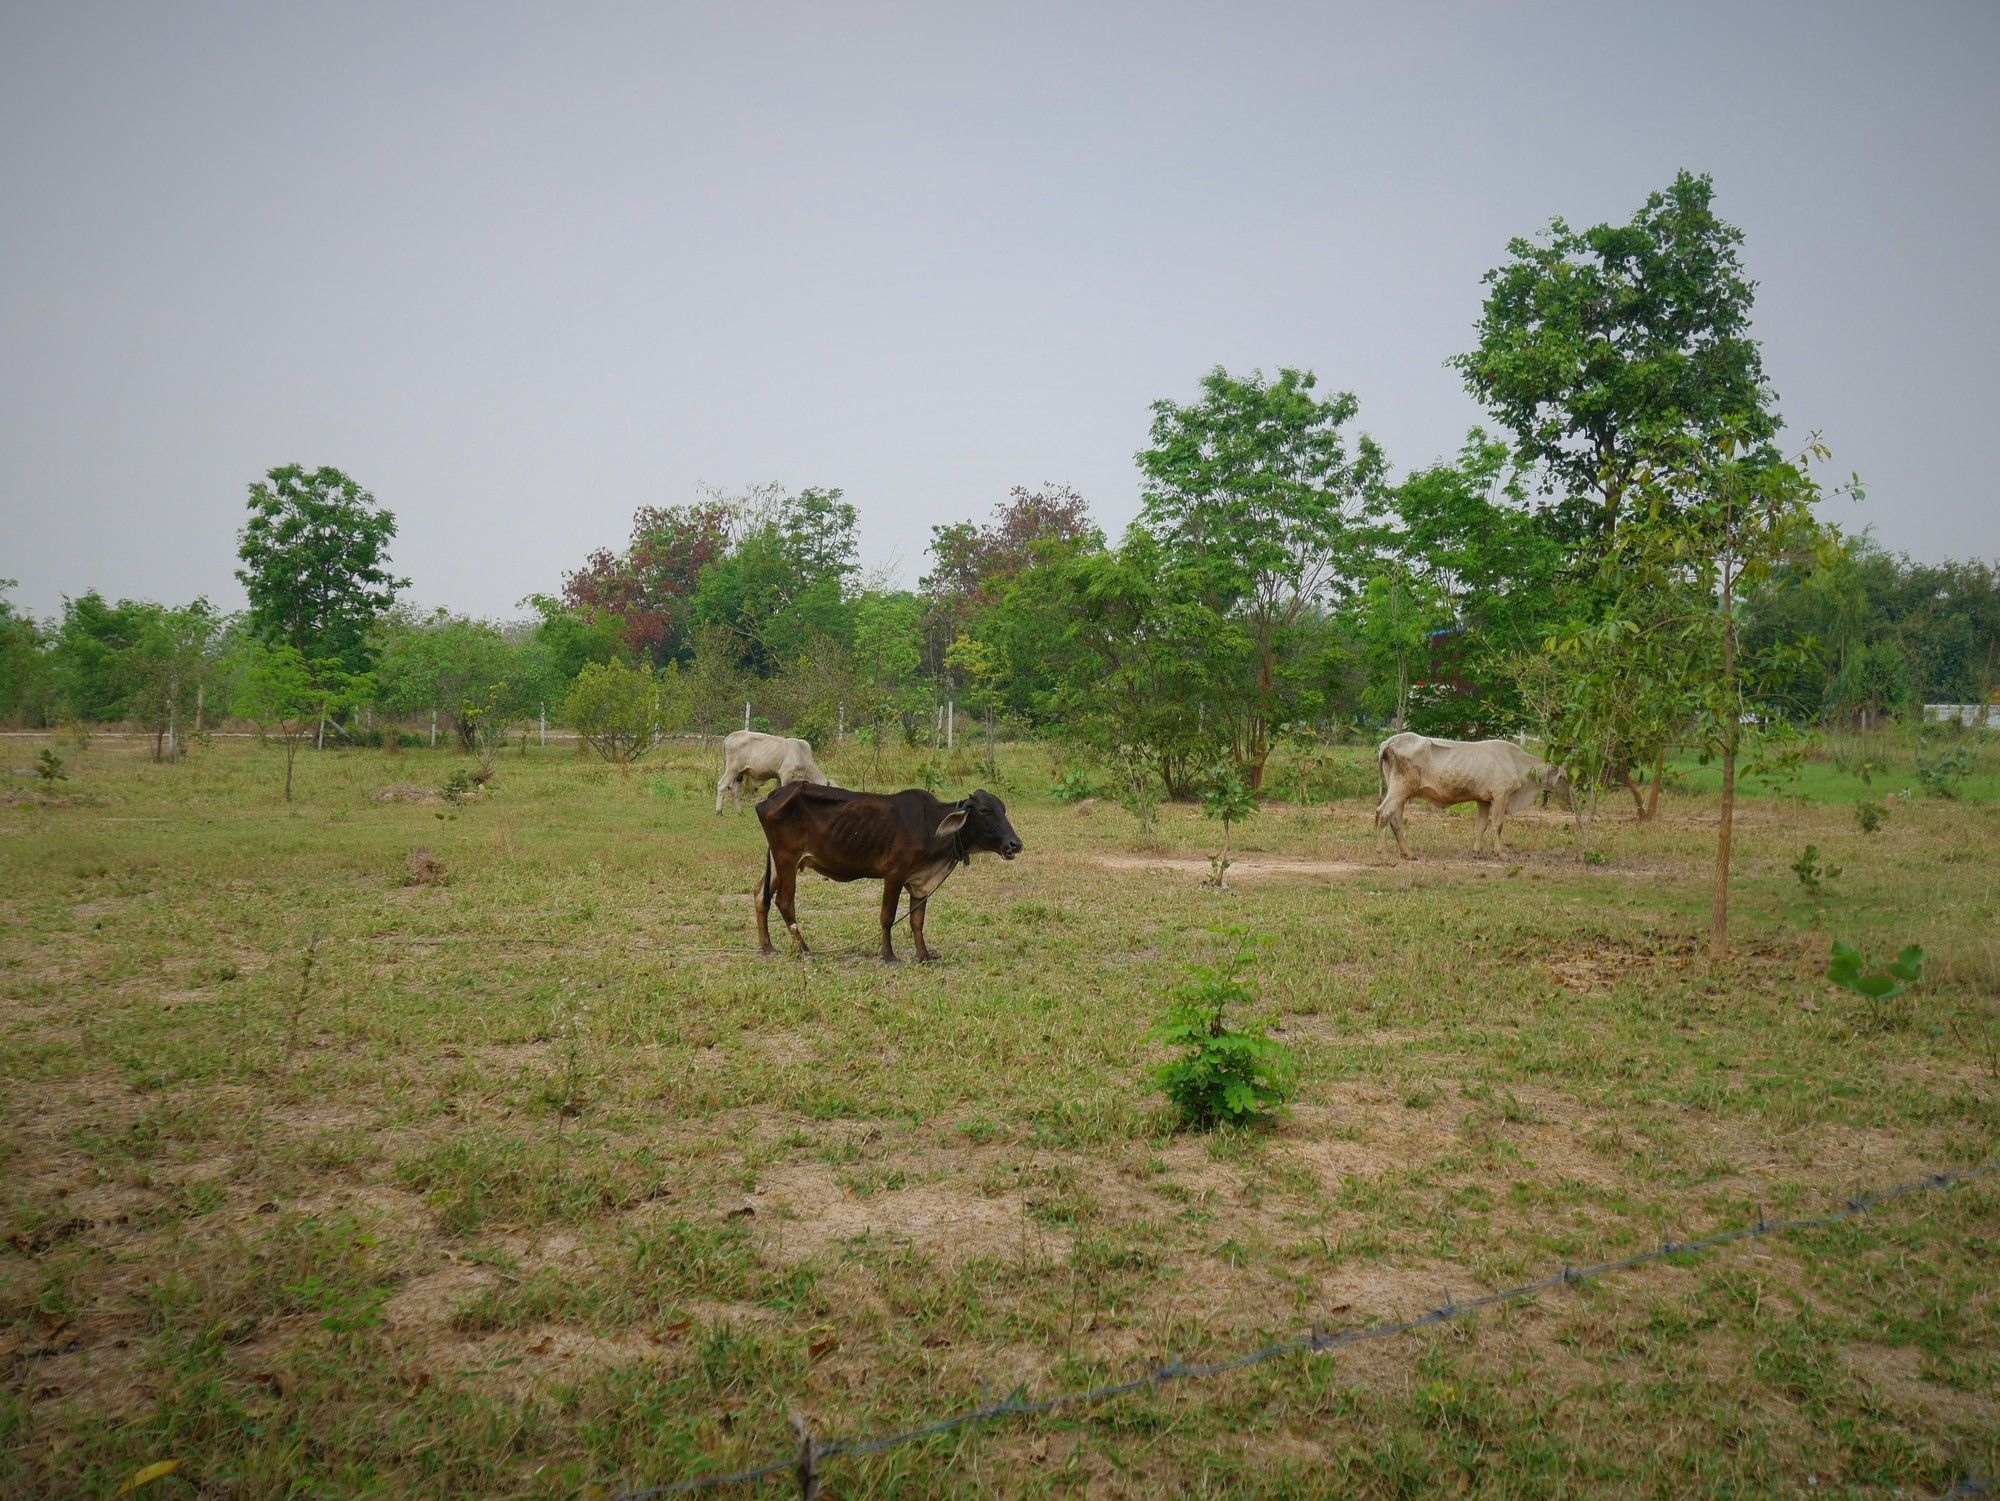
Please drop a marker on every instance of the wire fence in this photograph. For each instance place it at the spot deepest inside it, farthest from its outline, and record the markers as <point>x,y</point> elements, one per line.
<point>803,1463</point>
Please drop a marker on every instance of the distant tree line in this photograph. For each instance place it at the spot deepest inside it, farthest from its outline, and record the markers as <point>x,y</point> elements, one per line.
<point>1627,534</point>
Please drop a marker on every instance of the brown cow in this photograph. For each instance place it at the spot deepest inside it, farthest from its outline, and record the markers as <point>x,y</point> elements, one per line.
<point>906,838</point>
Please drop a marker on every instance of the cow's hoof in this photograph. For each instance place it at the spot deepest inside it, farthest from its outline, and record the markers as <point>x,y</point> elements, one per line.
<point>929,958</point>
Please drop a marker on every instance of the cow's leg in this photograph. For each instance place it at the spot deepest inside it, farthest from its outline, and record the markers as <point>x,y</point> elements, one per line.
<point>1479,833</point>
<point>1499,822</point>
<point>925,953</point>
<point>1394,819</point>
<point>891,890</point>
<point>788,887</point>
<point>721,786</point>
<point>763,899</point>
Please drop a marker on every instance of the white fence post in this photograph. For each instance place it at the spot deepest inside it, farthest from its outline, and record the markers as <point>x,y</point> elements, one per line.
<point>950,716</point>
<point>434,727</point>
<point>746,713</point>
<point>545,724</point>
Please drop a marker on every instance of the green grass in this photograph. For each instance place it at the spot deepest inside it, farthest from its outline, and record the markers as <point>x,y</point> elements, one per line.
<point>543,1180</point>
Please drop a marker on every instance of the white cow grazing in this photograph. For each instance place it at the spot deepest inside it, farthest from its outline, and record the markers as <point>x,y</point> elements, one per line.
<point>1496,774</point>
<point>751,758</point>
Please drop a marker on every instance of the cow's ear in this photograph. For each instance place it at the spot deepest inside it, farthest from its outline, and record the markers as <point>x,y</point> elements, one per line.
<point>953,821</point>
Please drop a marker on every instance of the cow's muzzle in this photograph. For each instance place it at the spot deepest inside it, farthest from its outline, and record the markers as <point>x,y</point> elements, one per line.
<point>1010,849</point>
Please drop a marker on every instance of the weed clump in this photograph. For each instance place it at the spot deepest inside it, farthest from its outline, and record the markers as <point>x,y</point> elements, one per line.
<point>425,869</point>
<point>1222,1074</point>
<point>1871,815</point>
<point>1941,768</point>
<point>48,766</point>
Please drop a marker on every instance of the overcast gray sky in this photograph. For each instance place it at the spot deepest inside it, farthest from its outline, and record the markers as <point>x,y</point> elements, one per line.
<point>520,269</point>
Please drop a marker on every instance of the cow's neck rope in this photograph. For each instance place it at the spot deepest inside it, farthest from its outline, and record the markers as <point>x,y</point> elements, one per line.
<point>958,857</point>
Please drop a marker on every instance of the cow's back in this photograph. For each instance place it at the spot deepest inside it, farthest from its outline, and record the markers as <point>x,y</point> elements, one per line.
<point>1471,770</point>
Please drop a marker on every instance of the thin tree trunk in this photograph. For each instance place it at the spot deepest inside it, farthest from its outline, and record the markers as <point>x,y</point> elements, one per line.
<point>1653,792</point>
<point>291,750</point>
<point>1718,920</point>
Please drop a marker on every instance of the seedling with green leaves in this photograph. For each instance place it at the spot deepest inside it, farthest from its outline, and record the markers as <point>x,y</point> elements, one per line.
<point>1232,802</point>
<point>1223,1074</point>
<point>1813,878</point>
<point>1851,970</point>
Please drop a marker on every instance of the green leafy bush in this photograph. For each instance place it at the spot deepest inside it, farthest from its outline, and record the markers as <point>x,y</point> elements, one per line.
<point>616,708</point>
<point>1136,784</point>
<point>1850,970</point>
<point>1073,786</point>
<point>1221,1074</point>
<point>1871,815</point>
<point>1879,987</point>
<point>48,766</point>
<point>1941,768</point>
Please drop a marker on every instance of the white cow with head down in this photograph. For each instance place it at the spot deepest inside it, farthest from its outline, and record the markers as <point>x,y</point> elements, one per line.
<point>751,758</point>
<point>1496,774</point>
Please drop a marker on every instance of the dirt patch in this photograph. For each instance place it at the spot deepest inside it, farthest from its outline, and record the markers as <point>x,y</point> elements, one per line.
<point>1241,867</point>
<point>406,792</point>
<point>802,1210</point>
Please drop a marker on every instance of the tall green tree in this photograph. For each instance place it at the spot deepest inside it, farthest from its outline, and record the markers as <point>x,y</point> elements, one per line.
<point>888,654</point>
<point>25,694</point>
<point>1723,529</point>
<point>166,669</point>
<point>465,670</point>
<point>784,580</point>
<point>315,555</point>
<point>90,656</point>
<point>1490,571</point>
<point>287,697</point>
<point>1620,349</point>
<point>1398,611</point>
<point>1266,509</point>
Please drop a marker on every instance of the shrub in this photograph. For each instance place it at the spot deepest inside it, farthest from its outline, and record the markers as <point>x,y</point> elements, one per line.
<point>457,787</point>
<point>1137,786</point>
<point>1812,875</point>
<point>1222,1074</point>
<point>1940,769</point>
<point>615,707</point>
<point>1871,815</point>
<point>1073,786</point>
<point>48,766</point>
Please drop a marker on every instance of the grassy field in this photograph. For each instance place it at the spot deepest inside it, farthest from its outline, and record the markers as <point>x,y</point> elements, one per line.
<point>375,1146</point>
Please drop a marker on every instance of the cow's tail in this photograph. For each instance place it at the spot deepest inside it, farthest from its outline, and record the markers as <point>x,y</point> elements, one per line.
<point>1382,782</point>
<point>766,891</point>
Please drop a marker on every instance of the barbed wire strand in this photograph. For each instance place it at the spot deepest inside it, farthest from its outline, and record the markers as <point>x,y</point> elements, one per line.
<point>1318,1341</point>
